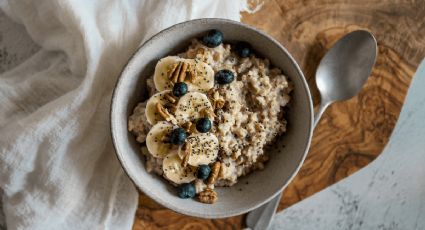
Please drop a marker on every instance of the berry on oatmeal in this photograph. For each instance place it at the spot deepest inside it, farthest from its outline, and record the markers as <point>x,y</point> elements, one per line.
<point>224,76</point>
<point>179,89</point>
<point>203,172</point>
<point>178,136</point>
<point>203,125</point>
<point>186,190</point>
<point>213,39</point>
<point>243,49</point>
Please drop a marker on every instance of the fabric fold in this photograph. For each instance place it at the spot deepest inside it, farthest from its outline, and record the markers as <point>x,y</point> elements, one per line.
<point>58,166</point>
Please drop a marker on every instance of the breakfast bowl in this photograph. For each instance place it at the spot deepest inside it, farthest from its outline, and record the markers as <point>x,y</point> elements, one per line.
<point>286,154</point>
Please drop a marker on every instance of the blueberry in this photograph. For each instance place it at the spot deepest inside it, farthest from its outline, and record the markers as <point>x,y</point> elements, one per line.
<point>179,89</point>
<point>243,49</point>
<point>203,125</point>
<point>178,136</point>
<point>213,39</point>
<point>203,172</point>
<point>186,190</point>
<point>224,76</point>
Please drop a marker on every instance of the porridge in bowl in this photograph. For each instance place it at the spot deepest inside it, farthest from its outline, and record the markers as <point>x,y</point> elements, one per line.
<point>212,112</point>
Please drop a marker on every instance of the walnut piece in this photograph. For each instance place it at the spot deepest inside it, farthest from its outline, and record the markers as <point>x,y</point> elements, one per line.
<point>215,170</point>
<point>208,196</point>
<point>207,113</point>
<point>218,103</point>
<point>189,127</point>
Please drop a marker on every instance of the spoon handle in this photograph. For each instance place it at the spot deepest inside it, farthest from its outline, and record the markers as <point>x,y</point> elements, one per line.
<point>322,107</point>
<point>261,217</point>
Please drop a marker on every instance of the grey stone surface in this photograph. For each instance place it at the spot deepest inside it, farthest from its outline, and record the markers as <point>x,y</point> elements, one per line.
<point>388,194</point>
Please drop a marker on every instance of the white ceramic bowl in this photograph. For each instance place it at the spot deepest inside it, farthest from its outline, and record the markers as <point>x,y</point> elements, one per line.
<point>252,190</point>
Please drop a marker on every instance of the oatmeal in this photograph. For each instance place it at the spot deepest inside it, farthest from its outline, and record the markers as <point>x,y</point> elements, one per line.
<point>212,111</point>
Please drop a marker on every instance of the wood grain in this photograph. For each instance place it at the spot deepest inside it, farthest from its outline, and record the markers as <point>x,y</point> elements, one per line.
<point>351,134</point>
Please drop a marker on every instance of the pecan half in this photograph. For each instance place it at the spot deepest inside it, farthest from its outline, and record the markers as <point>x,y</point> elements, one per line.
<point>208,196</point>
<point>187,151</point>
<point>215,170</point>
<point>172,69</point>
<point>183,71</point>
<point>178,72</point>
<point>164,113</point>
<point>170,98</point>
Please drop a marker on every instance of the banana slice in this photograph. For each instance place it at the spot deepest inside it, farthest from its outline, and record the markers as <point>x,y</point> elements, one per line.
<point>153,116</point>
<point>202,81</point>
<point>160,78</point>
<point>192,106</point>
<point>155,139</point>
<point>203,149</point>
<point>175,172</point>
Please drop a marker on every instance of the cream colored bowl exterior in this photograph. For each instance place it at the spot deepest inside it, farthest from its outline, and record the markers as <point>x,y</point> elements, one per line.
<point>251,191</point>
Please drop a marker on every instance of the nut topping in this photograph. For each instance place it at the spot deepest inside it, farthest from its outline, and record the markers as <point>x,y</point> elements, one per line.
<point>215,170</point>
<point>164,113</point>
<point>207,113</point>
<point>188,126</point>
<point>170,98</point>
<point>208,196</point>
<point>218,103</point>
<point>187,151</point>
<point>182,74</point>
<point>178,72</point>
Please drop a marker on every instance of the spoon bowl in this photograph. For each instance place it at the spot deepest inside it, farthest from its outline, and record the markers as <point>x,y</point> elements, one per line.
<point>345,68</point>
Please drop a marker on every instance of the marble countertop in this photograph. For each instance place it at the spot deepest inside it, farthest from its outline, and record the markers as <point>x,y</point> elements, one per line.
<point>387,194</point>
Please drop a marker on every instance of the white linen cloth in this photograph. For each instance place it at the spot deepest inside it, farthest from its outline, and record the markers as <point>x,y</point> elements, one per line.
<point>58,166</point>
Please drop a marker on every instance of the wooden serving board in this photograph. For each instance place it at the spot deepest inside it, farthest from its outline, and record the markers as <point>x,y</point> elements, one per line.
<point>351,134</point>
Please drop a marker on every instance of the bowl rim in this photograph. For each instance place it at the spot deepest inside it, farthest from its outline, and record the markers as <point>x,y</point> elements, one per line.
<point>156,36</point>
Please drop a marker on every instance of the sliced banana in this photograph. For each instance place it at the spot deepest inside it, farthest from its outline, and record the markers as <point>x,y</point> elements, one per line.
<point>160,78</point>
<point>192,106</point>
<point>202,81</point>
<point>175,172</point>
<point>203,149</point>
<point>155,143</point>
<point>153,116</point>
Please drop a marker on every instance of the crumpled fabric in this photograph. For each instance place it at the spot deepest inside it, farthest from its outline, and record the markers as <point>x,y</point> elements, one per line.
<point>57,162</point>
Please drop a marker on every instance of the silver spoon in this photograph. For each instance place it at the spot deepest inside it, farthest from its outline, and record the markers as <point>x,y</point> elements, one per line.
<point>341,74</point>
